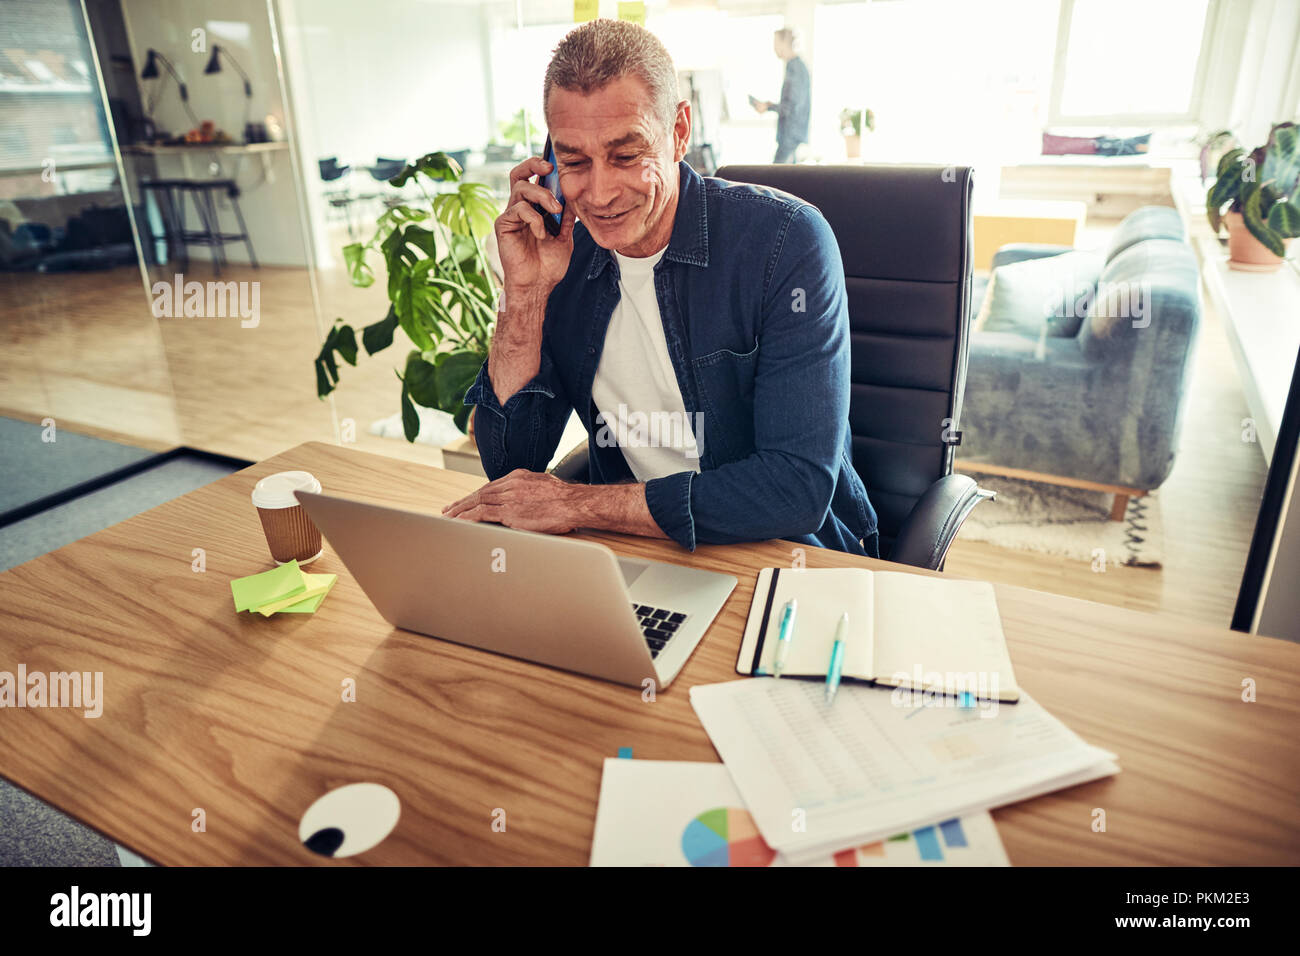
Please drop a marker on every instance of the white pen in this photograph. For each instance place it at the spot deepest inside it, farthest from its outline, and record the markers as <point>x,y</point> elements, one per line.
<point>783,642</point>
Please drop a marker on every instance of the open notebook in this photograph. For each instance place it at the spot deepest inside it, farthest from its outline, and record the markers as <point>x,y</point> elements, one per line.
<point>930,634</point>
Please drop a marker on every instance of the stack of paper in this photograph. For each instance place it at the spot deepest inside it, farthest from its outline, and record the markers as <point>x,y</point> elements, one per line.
<point>820,779</point>
<point>286,589</point>
<point>669,813</point>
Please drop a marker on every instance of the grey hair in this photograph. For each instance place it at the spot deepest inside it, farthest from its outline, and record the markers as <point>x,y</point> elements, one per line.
<point>600,51</point>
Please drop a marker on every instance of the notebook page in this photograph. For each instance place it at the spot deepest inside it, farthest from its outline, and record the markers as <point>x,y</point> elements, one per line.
<point>866,767</point>
<point>823,595</point>
<point>947,631</point>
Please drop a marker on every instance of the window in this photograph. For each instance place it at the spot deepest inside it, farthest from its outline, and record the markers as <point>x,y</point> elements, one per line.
<point>1124,62</point>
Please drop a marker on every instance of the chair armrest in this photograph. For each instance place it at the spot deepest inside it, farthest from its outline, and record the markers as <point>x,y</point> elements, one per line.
<point>1020,251</point>
<point>575,466</point>
<point>928,531</point>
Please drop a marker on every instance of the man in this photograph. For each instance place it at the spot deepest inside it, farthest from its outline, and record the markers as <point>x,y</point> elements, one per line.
<point>796,99</point>
<point>716,309</point>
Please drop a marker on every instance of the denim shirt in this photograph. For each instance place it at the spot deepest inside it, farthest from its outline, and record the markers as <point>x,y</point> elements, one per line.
<point>751,295</point>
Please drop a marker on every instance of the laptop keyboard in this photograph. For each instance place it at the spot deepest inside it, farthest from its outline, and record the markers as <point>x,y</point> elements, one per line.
<point>659,625</point>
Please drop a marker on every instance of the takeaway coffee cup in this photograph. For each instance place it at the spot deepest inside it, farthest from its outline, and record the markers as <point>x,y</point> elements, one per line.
<point>289,532</point>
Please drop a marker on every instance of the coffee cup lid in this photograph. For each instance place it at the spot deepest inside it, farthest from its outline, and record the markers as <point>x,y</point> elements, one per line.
<point>276,491</point>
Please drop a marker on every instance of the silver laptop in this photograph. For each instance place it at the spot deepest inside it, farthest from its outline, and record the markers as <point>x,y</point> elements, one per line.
<point>546,598</point>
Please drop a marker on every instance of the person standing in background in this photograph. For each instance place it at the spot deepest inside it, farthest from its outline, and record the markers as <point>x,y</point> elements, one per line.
<point>796,99</point>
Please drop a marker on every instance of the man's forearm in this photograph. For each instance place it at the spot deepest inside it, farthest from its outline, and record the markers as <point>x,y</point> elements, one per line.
<point>619,508</point>
<point>516,353</point>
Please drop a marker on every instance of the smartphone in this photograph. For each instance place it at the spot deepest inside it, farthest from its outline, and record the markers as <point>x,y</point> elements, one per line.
<point>551,220</point>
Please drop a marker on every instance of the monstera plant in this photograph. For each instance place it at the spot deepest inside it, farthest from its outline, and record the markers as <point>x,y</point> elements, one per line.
<point>440,291</point>
<point>1263,187</point>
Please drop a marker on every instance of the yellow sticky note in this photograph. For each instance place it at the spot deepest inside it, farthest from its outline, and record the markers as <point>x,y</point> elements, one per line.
<point>633,12</point>
<point>304,602</point>
<point>257,589</point>
<point>584,10</point>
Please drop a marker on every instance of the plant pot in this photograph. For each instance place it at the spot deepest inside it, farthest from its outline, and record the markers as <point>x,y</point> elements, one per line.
<point>853,146</point>
<point>1245,252</point>
<point>469,429</point>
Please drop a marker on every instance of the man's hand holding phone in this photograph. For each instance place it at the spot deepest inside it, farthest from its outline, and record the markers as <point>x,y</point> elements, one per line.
<point>534,262</point>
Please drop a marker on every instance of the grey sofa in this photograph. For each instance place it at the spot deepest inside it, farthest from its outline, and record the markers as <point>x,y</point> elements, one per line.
<point>1098,407</point>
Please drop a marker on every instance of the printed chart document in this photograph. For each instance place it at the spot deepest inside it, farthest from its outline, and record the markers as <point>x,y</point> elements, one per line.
<point>877,762</point>
<point>904,630</point>
<point>671,813</point>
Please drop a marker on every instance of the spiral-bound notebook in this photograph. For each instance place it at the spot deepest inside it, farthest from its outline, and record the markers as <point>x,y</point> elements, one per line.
<point>928,634</point>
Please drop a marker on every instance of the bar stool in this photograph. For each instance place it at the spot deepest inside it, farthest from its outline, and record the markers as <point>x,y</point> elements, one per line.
<point>171,194</point>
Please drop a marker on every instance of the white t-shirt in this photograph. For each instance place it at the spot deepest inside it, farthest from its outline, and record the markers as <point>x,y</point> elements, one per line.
<point>635,388</point>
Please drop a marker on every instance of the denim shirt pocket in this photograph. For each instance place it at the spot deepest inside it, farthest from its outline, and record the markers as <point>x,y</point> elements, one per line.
<point>725,380</point>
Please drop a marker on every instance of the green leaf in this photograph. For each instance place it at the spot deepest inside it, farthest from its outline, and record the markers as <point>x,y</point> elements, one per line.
<point>470,211</point>
<point>411,302</point>
<point>461,417</point>
<point>437,166</point>
<point>421,381</point>
<point>1228,159</point>
<point>397,215</point>
<point>410,419</point>
<point>345,342</point>
<point>456,373</point>
<point>327,356</point>
<point>1282,159</point>
<point>323,384</point>
<point>426,240</point>
<point>1284,218</point>
<point>1250,213</point>
<point>1225,190</point>
<point>354,255</point>
<point>380,335</point>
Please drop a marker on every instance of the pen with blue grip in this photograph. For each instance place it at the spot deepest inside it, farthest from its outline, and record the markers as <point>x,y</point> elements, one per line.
<point>783,641</point>
<point>837,659</point>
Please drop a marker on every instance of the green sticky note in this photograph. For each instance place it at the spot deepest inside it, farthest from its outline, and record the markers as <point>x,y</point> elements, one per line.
<point>318,585</point>
<point>257,589</point>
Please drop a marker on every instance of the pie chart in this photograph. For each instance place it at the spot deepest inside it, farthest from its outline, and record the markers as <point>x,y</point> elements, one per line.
<point>725,836</point>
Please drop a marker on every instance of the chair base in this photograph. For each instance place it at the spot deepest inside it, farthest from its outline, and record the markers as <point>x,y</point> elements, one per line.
<point>1118,507</point>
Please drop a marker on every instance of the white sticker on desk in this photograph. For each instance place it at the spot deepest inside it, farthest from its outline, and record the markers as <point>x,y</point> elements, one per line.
<point>350,820</point>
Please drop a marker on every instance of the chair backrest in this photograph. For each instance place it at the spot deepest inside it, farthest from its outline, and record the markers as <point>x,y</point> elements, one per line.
<point>386,168</point>
<point>330,169</point>
<point>904,234</point>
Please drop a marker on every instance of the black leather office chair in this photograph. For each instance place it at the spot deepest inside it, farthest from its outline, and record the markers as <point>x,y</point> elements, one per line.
<point>905,237</point>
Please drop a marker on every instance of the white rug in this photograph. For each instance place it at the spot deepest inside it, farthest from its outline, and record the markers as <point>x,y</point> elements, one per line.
<point>1031,516</point>
<point>437,428</point>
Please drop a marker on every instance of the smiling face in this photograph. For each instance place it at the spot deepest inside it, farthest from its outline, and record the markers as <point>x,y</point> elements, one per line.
<point>618,163</point>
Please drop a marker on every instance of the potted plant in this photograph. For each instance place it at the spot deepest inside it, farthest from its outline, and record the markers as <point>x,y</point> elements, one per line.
<point>440,291</point>
<point>1259,191</point>
<point>851,123</point>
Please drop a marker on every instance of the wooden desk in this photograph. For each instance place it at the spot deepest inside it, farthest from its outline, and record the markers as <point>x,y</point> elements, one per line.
<point>243,717</point>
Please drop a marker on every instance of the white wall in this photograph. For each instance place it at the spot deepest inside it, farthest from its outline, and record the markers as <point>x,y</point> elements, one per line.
<point>269,205</point>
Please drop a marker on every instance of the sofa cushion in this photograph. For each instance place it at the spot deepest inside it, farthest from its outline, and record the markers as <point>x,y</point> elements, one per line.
<point>1148,222</point>
<point>1161,275</point>
<point>1055,291</point>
